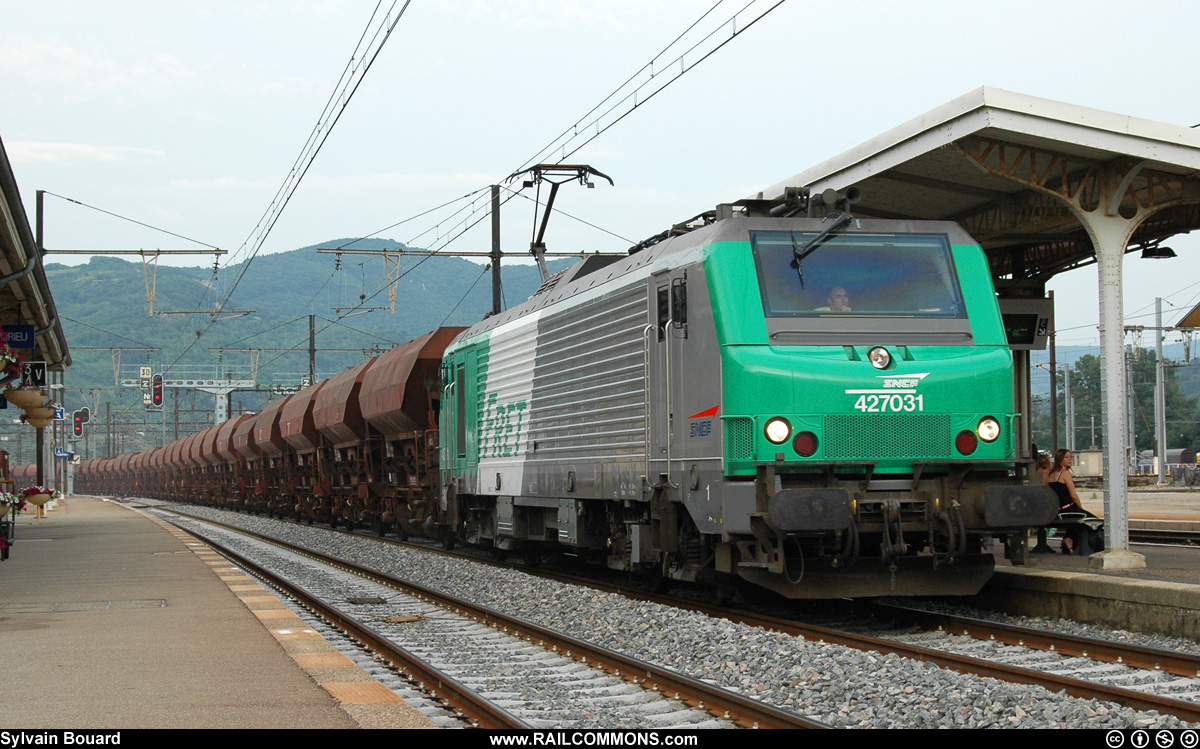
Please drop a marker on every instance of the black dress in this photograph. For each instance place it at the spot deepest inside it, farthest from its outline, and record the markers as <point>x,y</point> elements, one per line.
<point>1066,505</point>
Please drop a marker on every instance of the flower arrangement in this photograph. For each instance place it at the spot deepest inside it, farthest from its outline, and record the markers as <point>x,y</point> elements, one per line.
<point>10,358</point>
<point>9,500</point>
<point>23,386</point>
<point>39,495</point>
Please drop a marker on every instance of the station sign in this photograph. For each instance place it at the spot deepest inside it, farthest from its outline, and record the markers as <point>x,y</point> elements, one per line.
<point>18,336</point>
<point>62,452</point>
<point>60,414</point>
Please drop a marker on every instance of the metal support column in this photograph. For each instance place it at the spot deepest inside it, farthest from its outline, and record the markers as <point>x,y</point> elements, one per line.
<point>1053,380</point>
<point>1160,396</point>
<point>496,254</point>
<point>1131,453</point>
<point>1069,408</point>
<point>1110,233</point>
<point>312,349</point>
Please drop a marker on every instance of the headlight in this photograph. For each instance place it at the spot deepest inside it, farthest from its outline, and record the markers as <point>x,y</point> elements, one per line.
<point>880,358</point>
<point>778,430</point>
<point>988,429</point>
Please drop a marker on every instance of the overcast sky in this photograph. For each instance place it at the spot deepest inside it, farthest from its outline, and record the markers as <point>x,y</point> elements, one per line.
<point>188,116</point>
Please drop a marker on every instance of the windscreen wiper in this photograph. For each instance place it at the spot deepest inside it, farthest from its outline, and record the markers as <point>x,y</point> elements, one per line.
<point>811,245</point>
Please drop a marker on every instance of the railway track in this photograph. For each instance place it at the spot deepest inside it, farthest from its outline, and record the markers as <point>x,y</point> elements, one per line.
<point>1164,537</point>
<point>907,645</point>
<point>649,696</point>
<point>1086,688</point>
<point>1067,645</point>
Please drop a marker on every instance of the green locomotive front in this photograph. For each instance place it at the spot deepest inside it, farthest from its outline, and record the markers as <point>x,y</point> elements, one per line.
<point>821,414</point>
<point>867,409</point>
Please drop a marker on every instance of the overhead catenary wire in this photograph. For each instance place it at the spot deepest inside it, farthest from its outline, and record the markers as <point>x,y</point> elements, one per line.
<point>1135,316</point>
<point>560,142</point>
<point>561,212</point>
<point>254,242</point>
<point>352,77</point>
<point>377,232</point>
<point>106,332</point>
<point>131,220</point>
<point>551,147</point>
<point>357,330</point>
<point>464,296</point>
<point>584,125</point>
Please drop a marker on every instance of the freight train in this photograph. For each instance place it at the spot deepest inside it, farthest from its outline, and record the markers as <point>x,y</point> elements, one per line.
<point>820,408</point>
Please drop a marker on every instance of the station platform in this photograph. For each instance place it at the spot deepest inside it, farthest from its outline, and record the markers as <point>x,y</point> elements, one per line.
<point>1162,598</point>
<point>112,619</point>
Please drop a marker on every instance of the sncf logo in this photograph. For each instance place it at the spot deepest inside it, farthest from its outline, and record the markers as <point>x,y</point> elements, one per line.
<point>701,424</point>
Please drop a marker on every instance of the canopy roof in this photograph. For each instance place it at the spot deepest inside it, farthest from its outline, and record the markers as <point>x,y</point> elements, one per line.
<point>1016,170</point>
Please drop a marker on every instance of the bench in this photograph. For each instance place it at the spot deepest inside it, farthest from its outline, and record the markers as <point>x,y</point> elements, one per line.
<point>1070,520</point>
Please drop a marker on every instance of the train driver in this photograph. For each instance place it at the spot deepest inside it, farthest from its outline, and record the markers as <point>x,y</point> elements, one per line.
<point>837,301</point>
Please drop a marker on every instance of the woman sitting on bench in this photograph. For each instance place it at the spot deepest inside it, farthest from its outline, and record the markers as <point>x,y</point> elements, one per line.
<point>1060,480</point>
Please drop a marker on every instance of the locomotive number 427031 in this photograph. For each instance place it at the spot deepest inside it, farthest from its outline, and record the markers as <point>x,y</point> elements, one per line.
<point>890,402</point>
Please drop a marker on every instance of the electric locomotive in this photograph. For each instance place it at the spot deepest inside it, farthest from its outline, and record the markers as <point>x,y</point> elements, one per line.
<point>820,407</point>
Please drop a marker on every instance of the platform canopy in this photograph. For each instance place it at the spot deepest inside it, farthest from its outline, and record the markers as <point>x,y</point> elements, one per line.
<point>24,292</point>
<point>1016,171</point>
<point>1044,187</point>
<point>1191,319</point>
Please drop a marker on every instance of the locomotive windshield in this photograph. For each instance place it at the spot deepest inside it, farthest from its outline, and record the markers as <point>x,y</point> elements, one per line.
<point>857,275</point>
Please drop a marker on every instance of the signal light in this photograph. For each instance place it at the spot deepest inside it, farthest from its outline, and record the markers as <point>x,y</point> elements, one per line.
<point>966,442</point>
<point>156,391</point>
<point>805,444</point>
<point>78,427</point>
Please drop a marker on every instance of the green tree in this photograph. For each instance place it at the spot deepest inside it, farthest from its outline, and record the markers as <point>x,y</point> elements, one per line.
<point>1183,411</point>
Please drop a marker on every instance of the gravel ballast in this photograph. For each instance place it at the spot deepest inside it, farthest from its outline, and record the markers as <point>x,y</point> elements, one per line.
<point>829,683</point>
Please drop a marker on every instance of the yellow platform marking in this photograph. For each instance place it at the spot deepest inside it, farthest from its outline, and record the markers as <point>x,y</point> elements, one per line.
<point>362,692</point>
<point>296,633</point>
<point>274,613</point>
<point>332,659</point>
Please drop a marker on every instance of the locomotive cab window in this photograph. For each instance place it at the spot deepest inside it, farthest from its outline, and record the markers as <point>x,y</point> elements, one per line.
<point>857,275</point>
<point>679,302</point>
<point>663,303</point>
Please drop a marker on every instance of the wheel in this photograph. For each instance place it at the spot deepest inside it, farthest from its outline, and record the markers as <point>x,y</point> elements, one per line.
<point>720,587</point>
<point>447,538</point>
<point>532,556</point>
<point>656,581</point>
